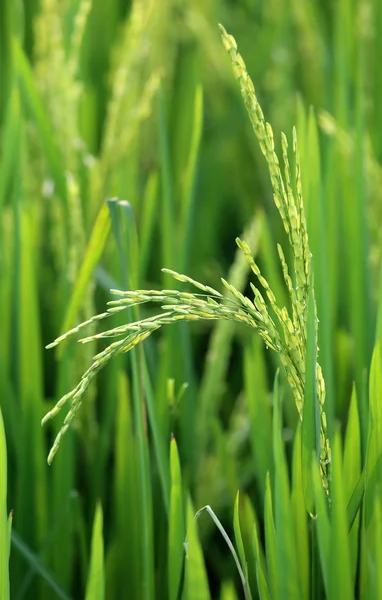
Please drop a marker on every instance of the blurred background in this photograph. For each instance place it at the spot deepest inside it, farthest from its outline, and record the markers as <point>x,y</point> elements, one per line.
<point>137,101</point>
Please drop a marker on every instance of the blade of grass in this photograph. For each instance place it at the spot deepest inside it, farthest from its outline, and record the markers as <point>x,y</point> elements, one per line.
<point>176,525</point>
<point>196,580</point>
<point>188,183</point>
<point>310,427</point>
<point>20,547</point>
<point>305,555</point>
<point>318,233</point>
<point>230,546</point>
<point>259,410</point>
<point>9,143</point>
<point>270,538</point>
<point>240,546</point>
<point>4,528</point>
<point>340,577</point>
<point>378,549</point>
<point>34,106</point>
<point>95,589</point>
<point>374,444</point>
<point>323,526</point>
<point>149,213</point>
<point>228,591</point>
<point>261,574</point>
<point>126,498</point>
<point>91,257</point>
<point>124,231</point>
<point>352,472</point>
<point>159,437</point>
<point>287,571</point>
<point>32,472</point>
<point>356,499</point>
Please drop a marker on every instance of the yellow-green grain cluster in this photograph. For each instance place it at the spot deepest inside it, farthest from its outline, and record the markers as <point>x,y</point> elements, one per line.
<point>289,202</point>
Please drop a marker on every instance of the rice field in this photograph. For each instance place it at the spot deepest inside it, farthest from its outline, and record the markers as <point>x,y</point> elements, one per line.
<point>200,208</point>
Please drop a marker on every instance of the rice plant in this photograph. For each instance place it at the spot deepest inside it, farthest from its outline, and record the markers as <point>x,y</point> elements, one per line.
<point>262,402</point>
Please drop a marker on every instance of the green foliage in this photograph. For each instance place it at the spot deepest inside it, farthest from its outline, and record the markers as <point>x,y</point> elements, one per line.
<point>108,100</point>
<point>5,529</point>
<point>95,589</point>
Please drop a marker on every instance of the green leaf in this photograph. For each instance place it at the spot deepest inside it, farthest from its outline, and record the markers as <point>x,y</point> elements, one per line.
<point>340,577</point>
<point>4,527</point>
<point>323,526</point>
<point>238,538</point>
<point>176,534</point>
<point>378,548</point>
<point>92,255</point>
<point>10,143</point>
<point>304,559</point>
<point>287,571</point>
<point>374,444</point>
<point>127,507</point>
<point>310,429</point>
<point>259,410</point>
<point>95,588</point>
<point>356,499</point>
<point>124,230</point>
<point>352,472</point>
<point>35,107</point>
<point>240,545</point>
<point>196,580</point>
<point>270,538</point>
<point>36,566</point>
<point>261,575</point>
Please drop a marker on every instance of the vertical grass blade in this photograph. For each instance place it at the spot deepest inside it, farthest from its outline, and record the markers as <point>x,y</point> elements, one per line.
<point>9,143</point>
<point>322,524</point>
<point>318,242</point>
<point>270,539</point>
<point>95,589</point>
<point>124,231</point>
<point>340,577</point>
<point>91,257</point>
<point>259,410</point>
<point>35,108</point>
<point>196,581</point>
<point>176,525</point>
<point>286,559</point>
<point>310,428</point>
<point>228,591</point>
<point>37,568</point>
<point>352,473</point>
<point>188,183</point>
<point>4,528</point>
<point>261,573</point>
<point>240,547</point>
<point>378,548</point>
<point>148,215</point>
<point>305,556</point>
<point>123,558</point>
<point>374,445</point>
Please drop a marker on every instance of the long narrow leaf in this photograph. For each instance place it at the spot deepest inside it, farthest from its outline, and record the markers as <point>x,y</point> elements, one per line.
<point>95,589</point>
<point>4,530</point>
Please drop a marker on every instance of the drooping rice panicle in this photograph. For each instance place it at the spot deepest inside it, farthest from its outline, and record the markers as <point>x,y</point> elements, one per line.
<point>291,208</point>
<point>286,334</point>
